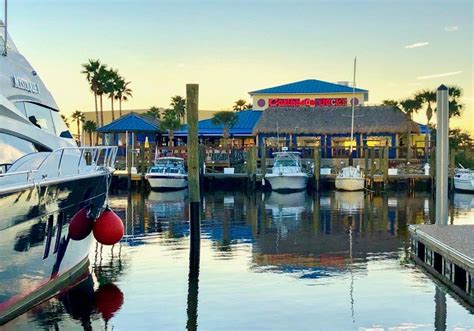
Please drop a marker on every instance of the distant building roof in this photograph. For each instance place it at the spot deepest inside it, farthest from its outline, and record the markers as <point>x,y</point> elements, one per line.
<point>335,120</point>
<point>132,122</point>
<point>309,86</point>
<point>246,121</point>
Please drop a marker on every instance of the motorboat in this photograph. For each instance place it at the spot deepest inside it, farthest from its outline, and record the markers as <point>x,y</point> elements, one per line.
<point>350,179</point>
<point>464,179</point>
<point>46,183</point>
<point>287,173</point>
<point>167,173</point>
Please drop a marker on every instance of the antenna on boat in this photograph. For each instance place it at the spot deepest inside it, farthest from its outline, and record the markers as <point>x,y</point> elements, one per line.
<point>352,114</point>
<point>6,30</point>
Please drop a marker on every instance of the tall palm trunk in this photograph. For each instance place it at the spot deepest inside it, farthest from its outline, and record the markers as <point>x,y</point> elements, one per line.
<point>78,130</point>
<point>96,109</point>
<point>120,107</point>
<point>90,138</point>
<point>112,107</point>
<point>101,110</point>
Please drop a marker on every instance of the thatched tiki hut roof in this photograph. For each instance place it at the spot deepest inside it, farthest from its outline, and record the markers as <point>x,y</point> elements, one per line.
<point>334,120</point>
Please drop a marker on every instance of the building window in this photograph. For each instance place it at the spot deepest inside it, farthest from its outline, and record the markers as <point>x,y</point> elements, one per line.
<point>378,141</point>
<point>274,142</point>
<point>308,141</point>
<point>341,146</point>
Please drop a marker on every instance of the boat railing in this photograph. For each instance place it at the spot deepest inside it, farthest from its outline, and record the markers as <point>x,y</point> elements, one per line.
<point>65,161</point>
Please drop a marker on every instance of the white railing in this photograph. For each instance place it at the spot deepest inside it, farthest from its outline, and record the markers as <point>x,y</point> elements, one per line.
<point>65,161</point>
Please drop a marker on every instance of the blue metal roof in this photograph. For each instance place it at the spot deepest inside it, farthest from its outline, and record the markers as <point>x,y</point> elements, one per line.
<point>246,121</point>
<point>131,122</point>
<point>308,86</point>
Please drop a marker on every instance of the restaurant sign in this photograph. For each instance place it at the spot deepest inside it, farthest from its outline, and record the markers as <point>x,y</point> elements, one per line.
<point>297,102</point>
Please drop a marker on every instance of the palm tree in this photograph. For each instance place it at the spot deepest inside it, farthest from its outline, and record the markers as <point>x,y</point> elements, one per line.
<point>410,106</point>
<point>102,78</point>
<point>170,122</point>
<point>227,119</point>
<point>154,112</point>
<point>123,92</point>
<point>179,106</point>
<point>89,127</point>
<point>91,69</point>
<point>455,105</point>
<point>426,98</point>
<point>240,105</point>
<point>391,102</point>
<point>64,118</point>
<point>79,117</point>
<point>111,81</point>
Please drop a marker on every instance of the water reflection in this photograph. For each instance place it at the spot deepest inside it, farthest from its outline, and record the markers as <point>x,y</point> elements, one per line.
<point>343,252</point>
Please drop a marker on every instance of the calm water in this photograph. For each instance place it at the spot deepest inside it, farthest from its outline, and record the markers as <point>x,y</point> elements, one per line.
<point>337,261</point>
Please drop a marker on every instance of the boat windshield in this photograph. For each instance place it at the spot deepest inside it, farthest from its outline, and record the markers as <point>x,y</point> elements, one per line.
<point>287,160</point>
<point>173,166</point>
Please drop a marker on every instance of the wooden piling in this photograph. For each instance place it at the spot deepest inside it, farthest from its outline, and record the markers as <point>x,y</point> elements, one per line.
<point>128,161</point>
<point>372,166</point>
<point>192,98</point>
<point>263,161</point>
<point>366,159</point>
<point>385,166</point>
<point>317,167</point>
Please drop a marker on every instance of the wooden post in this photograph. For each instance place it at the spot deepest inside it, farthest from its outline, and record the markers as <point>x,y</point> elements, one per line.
<point>128,161</point>
<point>432,168</point>
<point>452,165</point>
<point>372,166</point>
<point>381,153</point>
<point>254,166</point>
<point>385,166</point>
<point>263,161</point>
<point>192,98</point>
<point>317,167</point>
<point>408,145</point>
<point>366,159</point>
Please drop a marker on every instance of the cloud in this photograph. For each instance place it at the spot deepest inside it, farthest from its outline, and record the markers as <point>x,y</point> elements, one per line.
<point>451,28</point>
<point>419,44</point>
<point>444,74</point>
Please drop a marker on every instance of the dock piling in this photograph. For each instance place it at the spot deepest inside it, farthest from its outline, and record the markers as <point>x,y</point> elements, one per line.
<point>442,155</point>
<point>317,167</point>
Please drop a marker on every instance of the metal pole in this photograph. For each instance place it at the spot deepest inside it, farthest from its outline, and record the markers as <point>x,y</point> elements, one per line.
<point>353,105</point>
<point>5,52</point>
<point>442,155</point>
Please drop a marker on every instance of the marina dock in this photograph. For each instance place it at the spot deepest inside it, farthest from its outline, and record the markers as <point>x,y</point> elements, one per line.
<point>447,252</point>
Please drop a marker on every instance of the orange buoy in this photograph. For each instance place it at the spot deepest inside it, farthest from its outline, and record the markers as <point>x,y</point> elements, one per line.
<point>108,229</point>
<point>80,225</point>
<point>108,300</point>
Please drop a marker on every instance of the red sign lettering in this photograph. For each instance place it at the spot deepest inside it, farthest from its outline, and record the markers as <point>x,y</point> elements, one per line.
<point>296,102</point>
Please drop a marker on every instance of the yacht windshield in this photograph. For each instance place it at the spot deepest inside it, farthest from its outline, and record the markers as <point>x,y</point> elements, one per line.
<point>287,160</point>
<point>12,148</point>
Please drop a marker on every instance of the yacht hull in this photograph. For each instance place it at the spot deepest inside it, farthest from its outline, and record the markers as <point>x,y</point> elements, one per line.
<point>165,182</point>
<point>38,254</point>
<point>290,182</point>
<point>350,184</point>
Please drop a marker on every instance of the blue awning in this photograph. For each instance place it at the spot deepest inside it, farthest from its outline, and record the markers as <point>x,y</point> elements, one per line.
<point>131,122</point>
<point>246,121</point>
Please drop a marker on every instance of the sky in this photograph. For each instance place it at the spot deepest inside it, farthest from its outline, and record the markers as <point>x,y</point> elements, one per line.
<point>231,47</point>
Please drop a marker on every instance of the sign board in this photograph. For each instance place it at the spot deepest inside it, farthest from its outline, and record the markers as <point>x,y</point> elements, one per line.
<point>26,85</point>
<point>297,102</point>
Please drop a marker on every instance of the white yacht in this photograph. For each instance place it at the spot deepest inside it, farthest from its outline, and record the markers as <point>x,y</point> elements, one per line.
<point>287,173</point>
<point>168,173</point>
<point>351,178</point>
<point>464,179</point>
<point>46,181</point>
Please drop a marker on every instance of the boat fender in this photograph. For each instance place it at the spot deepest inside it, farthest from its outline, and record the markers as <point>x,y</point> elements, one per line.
<point>81,224</point>
<point>108,229</point>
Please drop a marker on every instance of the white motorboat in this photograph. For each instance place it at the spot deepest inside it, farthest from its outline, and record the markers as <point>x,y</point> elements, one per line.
<point>350,179</point>
<point>287,173</point>
<point>464,179</point>
<point>168,173</point>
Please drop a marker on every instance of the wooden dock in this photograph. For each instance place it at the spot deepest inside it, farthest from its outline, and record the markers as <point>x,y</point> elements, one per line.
<point>447,252</point>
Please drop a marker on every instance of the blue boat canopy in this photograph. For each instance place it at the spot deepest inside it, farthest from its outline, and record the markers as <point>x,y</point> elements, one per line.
<point>246,121</point>
<point>132,122</point>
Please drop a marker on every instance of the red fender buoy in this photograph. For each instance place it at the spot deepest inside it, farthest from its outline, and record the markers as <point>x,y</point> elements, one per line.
<point>80,225</point>
<point>108,300</point>
<point>108,229</point>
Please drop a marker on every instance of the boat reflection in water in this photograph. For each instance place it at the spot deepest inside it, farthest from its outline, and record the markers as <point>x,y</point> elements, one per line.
<point>346,254</point>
